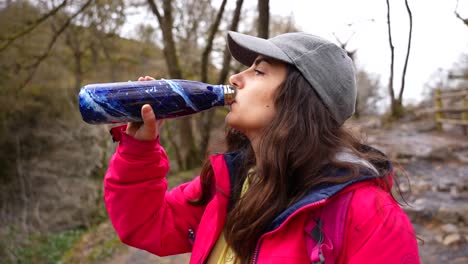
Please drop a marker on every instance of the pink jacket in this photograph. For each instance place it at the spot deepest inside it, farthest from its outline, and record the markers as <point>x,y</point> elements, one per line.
<point>147,216</point>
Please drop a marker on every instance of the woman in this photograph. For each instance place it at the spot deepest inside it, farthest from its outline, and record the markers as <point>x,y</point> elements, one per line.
<point>294,186</point>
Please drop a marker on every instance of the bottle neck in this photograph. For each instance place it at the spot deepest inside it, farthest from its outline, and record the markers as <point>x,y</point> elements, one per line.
<point>229,92</point>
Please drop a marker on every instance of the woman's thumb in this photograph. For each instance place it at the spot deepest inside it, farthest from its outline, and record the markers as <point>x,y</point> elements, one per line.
<point>149,123</point>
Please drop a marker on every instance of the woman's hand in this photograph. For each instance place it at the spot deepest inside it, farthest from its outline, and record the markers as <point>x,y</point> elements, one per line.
<point>149,128</point>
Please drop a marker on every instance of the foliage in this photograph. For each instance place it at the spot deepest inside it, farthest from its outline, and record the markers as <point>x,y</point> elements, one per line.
<point>52,163</point>
<point>39,248</point>
<point>97,244</point>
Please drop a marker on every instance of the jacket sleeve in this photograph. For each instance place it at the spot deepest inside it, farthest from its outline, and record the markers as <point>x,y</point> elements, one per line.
<point>379,231</point>
<point>144,214</point>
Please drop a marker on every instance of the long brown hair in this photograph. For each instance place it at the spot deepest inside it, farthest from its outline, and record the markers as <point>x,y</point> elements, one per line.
<point>292,152</point>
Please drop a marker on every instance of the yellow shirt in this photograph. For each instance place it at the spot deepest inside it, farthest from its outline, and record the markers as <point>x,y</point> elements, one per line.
<point>221,252</point>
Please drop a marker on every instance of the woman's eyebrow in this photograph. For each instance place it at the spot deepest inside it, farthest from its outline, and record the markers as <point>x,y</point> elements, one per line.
<point>259,60</point>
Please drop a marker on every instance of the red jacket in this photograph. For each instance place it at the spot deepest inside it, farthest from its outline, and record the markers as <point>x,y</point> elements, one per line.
<point>147,216</point>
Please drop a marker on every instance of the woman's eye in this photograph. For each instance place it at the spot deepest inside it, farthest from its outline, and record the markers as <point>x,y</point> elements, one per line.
<point>258,72</point>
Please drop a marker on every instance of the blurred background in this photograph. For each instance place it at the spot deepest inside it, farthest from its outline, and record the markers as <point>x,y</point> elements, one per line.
<point>412,73</point>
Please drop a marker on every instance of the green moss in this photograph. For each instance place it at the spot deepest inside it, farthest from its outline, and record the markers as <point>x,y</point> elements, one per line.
<point>97,244</point>
<point>39,248</point>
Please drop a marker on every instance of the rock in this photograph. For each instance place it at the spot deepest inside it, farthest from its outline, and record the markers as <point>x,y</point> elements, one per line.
<point>460,260</point>
<point>447,214</point>
<point>452,239</point>
<point>462,156</point>
<point>454,191</point>
<point>449,228</point>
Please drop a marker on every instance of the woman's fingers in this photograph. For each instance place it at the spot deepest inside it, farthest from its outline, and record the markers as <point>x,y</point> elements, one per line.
<point>149,130</point>
<point>146,78</point>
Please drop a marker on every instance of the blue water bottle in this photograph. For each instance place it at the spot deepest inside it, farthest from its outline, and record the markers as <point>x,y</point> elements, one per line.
<point>120,102</point>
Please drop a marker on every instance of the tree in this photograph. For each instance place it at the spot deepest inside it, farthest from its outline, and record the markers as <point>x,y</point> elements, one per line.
<point>396,103</point>
<point>464,20</point>
<point>190,146</point>
<point>263,18</point>
<point>46,150</point>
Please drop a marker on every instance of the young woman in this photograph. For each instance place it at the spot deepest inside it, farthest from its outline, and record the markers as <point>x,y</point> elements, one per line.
<point>294,186</point>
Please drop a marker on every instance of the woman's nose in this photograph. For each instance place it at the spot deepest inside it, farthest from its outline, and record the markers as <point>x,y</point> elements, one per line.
<point>235,80</point>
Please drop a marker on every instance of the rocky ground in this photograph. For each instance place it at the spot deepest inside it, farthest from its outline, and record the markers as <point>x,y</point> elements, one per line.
<point>436,164</point>
<point>433,169</point>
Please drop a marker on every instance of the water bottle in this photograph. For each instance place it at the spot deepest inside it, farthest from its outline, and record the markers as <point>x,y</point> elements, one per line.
<point>120,102</point>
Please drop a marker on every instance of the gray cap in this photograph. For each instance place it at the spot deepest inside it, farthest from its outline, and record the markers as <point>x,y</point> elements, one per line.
<point>323,64</point>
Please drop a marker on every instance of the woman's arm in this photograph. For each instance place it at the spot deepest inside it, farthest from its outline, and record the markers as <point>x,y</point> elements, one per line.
<point>142,212</point>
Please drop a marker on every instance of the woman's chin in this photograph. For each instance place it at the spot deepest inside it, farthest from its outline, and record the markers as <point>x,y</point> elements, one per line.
<point>229,120</point>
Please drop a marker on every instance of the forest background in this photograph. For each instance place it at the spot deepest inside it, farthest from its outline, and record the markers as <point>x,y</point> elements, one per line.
<point>52,163</point>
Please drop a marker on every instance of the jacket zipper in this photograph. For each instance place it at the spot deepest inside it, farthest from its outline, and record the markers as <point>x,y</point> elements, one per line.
<point>257,250</point>
<point>191,235</point>
<point>257,247</point>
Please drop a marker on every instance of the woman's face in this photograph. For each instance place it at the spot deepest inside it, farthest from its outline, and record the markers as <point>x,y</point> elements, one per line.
<point>253,108</point>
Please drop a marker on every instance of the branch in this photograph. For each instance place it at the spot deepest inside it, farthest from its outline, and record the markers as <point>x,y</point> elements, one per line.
<point>227,56</point>
<point>400,96</point>
<point>464,20</point>
<point>170,51</point>
<point>9,40</point>
<point>344,45</point>
<point>209,45</point>
<point>207,119</point>
<point>155,10</point>
<point>392,53</point>
<point>42,57</point>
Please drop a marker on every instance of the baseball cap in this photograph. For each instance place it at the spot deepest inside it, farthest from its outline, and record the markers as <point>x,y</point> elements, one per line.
<point>325,66</point>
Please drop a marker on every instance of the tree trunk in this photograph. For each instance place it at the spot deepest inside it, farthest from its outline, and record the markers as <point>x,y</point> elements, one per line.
<point>187,146</point>
<point>207,117</point>
<point>209,44</point>
<point>222,78</point>
<point>408,49</point>
<point>166,24</point>
<point>227,56</point>
<point>393,102</point>
<point>263,18</point>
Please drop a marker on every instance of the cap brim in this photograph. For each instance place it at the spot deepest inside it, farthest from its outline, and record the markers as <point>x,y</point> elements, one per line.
<point>245,48</point>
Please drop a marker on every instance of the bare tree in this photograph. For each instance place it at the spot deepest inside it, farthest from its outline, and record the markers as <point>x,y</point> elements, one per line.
<point>263,18</point>
<point>408,50</point>
<point>166,22</point>
<point>207,119</point>
<point>10,39</point>
<point>189,152</point>
<point>464,20</point>
<point>35,65</point>
<point>397,103</point>
<point>392,60</point>
<point>209,44</point>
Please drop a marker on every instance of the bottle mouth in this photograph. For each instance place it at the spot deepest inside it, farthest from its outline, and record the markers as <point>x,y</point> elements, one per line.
<point>229,94</point>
